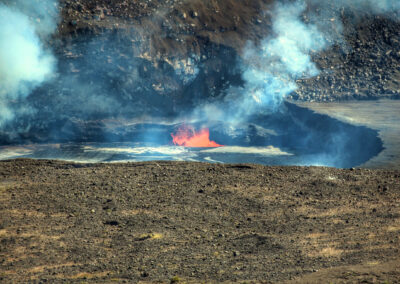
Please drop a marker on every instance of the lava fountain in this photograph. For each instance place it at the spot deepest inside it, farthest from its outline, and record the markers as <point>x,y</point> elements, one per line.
<point>187,136</point>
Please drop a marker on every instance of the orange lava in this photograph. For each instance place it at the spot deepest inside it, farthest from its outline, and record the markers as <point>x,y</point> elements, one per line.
<point>188,137</point>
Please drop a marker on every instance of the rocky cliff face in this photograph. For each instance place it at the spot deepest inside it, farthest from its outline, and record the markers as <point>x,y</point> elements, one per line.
<point>364,65</point>
<point>369,69</point>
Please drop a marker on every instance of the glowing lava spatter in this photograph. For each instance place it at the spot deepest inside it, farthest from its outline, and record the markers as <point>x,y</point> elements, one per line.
<point>188,137</point>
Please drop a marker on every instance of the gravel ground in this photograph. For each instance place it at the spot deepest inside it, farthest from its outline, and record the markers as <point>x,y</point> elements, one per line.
<point>193,222</point>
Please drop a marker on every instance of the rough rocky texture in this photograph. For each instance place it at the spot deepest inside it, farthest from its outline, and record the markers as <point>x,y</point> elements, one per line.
<point>173,27</point>
<point>365,66</point>
<point>173,221</point>
<point>368,70</point>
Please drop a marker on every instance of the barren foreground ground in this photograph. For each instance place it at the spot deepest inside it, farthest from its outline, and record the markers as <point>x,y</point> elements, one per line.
<point>172,221</point>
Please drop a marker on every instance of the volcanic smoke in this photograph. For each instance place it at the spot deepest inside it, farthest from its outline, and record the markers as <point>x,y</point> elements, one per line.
<point>25,62</point>
<point>188,137</point>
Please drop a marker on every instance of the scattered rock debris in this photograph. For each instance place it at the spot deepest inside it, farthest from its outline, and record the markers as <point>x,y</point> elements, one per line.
<point>254,223</point>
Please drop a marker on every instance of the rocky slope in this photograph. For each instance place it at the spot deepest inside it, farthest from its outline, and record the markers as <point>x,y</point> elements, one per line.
<point>363,66</point>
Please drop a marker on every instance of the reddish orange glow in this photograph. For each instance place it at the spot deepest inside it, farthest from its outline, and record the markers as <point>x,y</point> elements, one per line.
<point>188,137</point>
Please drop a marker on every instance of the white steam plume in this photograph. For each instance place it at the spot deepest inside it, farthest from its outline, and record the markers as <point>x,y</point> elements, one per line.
<point>270,70</point>
<point>24,62</point>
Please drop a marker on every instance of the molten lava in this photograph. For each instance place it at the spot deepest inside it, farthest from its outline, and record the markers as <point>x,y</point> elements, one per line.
<point>188,137</point>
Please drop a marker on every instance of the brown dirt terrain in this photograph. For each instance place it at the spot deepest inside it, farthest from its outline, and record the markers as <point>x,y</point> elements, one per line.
<point>197,222</point>
<point>173,27</point>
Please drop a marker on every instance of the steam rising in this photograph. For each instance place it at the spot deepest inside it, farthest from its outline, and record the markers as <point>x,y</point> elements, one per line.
<point>106,77</point>
<point>270,69</point>
<point>25,62</point>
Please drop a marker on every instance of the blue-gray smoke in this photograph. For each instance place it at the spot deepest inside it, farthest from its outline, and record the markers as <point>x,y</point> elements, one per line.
<point>25,62</point>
